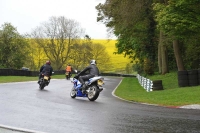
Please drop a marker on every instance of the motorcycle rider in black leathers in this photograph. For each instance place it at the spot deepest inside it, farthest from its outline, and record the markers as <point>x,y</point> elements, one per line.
<point>93,71</point>
<point>46,70</point>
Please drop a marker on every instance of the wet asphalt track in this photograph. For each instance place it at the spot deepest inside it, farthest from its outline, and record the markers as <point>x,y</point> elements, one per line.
<point>24,106</point>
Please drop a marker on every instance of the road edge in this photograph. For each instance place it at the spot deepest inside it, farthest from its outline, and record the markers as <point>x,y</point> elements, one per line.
<point>193,106</point>
<point>19,129</point>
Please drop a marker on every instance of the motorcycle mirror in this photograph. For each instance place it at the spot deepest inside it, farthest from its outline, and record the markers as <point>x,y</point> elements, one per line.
<point>75,71</point>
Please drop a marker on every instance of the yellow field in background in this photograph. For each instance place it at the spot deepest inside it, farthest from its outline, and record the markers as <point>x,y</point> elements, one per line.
<point>118,62</point>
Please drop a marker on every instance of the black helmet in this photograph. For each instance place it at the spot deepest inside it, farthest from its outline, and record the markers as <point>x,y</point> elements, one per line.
<point>48,62</point>
<point>93,62</point>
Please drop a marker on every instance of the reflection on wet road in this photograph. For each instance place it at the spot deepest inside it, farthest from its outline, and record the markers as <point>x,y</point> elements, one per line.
<point>52,110</point>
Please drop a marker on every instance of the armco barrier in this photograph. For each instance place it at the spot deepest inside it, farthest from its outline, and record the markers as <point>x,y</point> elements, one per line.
<point>117,75</point>
<point>149,85</point>
<point>14,72</point>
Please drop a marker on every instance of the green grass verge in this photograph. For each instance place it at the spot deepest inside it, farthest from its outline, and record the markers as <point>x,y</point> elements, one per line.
<point>7,79</point>
<point>172,95</point>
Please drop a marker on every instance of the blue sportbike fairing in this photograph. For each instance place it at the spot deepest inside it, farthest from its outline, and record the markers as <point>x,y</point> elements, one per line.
<point>94,87</point>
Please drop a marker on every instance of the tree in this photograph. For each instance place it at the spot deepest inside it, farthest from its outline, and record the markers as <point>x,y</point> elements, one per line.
<point>191,52</point>
<point>99,53</point>
<point>13,47</point>
<point>36,56</point>
<point>86,50</point>
<point>56,37</point>
<point>76,58</point>
<point>178,19</point>
<point>133,23</point>
<point>80,53</point>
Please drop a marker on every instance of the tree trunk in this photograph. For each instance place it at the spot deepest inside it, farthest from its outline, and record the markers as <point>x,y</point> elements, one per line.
<point>164,59</point>
<point>177,53</point>
<point>162,55</point>
<point>163,49</point>
<point>159,54</point>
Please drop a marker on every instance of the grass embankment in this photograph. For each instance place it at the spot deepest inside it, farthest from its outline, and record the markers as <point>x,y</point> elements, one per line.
<point>172,95</point>
<point>6,79</point>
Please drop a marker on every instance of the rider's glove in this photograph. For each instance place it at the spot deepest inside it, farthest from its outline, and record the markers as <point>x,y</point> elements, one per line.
<point>76,76</point>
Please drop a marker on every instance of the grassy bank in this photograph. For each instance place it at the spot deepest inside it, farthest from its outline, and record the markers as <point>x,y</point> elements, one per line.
<point>6,79</point>
<point>172,95</point>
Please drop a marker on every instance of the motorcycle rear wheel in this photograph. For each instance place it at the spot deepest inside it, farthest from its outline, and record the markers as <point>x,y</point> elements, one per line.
<point>68,77</point>
<point>73,93</point>
<point>93,93</point>
<point>42,85</point>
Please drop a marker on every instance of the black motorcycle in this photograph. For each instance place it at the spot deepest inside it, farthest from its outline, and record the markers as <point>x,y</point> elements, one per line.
<point>67,75</point>
<point>44,81</point>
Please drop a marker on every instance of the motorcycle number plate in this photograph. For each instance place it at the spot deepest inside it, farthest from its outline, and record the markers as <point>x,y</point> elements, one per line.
<point>45,77</point>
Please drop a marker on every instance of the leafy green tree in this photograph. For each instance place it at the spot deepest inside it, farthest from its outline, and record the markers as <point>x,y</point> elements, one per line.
<point>13,47</point>
<point>99,53</point>
<point>80,53</point>
<point>85,51</point>
<point>133,23</point>
<point>77,57</point>
<point>36,57</point>
<point>191,52</point>
<point>179,19</point>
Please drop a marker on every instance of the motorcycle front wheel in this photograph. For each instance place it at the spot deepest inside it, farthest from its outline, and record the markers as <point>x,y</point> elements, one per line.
<point>93,93</point>
<point>73,93</point>
<point>68,77</point>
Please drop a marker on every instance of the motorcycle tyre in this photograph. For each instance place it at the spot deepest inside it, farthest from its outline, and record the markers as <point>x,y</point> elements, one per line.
<point>94,93</point>
<point>42,85</point>
<point>73,93</point>
<point>67,77</point>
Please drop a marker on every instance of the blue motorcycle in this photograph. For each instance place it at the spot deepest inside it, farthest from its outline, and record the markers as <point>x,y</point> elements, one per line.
<point>93,88</point>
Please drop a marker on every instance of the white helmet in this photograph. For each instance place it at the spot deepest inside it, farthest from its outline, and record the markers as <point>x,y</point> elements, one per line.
<point>93,62</point>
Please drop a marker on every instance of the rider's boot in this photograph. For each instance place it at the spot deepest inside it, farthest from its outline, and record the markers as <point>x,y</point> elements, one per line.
<point>83,88</point>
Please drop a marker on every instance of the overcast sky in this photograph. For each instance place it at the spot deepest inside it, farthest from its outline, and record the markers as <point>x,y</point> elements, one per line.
<point>26,15</point>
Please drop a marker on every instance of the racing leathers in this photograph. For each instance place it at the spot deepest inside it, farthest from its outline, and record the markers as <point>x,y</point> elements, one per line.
<point>45,70</point>
<point>93,71</point>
